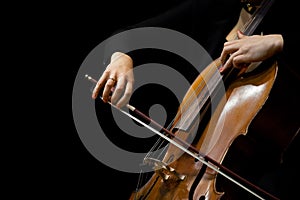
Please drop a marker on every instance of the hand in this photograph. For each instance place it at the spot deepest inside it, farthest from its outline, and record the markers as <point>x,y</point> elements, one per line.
<point>248,49</point>
<point>117,80</point>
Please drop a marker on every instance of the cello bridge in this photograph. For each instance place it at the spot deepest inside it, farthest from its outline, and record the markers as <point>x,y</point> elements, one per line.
<point>163,170</point>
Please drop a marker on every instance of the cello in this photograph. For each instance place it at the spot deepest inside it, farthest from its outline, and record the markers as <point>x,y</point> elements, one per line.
<point>182,173</point>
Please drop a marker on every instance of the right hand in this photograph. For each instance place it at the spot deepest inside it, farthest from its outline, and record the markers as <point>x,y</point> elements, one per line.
<point>117,80</point>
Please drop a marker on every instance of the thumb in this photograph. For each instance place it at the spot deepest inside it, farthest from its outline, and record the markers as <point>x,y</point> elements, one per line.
<point>240,34</point>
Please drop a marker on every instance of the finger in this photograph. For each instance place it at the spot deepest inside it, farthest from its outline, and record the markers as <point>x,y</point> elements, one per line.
<point>119,89</point>
<point>110,83</point>
<point>229,62</point>
<point>224,56</point>
<point>99,85</point>
<point>239,61</point>
<point>240,34</point>
<point>227,65</point>
<point>126,96</point>
<point>229,48</point>
<point>233,58</point>
<point>225,52</point>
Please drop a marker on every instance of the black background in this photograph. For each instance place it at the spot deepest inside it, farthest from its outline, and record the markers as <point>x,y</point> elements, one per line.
<point>79,29</point>
<point>47,43</point>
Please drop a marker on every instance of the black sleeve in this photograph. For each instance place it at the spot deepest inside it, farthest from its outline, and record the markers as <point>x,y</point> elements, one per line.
<point>179,17</point>
<point>280,20</point>
<point>206,21</point>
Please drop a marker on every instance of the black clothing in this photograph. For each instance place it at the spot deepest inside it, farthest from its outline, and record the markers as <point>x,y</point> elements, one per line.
<point>272,131</point>
<point>277,125</point>
<point>207,22</point>
<point>272,140</point>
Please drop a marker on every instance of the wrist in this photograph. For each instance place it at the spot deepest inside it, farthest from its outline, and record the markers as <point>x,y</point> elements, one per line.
<point>278,42</point>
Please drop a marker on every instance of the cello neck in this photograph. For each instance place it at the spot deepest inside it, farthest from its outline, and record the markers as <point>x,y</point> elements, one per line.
<point>248,22</point>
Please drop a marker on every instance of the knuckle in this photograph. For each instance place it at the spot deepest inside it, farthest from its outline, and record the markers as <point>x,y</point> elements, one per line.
<point>110,84</point>
<point>127,94</point>
<point>106,72</point>
<point>119,89</point>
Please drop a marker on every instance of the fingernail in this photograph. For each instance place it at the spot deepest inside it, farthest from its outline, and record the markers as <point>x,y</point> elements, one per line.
<point>221,69</point>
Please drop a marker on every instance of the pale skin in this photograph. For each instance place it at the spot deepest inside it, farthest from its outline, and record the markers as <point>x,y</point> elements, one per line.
<point>117,80</point>
<point>247,49</point>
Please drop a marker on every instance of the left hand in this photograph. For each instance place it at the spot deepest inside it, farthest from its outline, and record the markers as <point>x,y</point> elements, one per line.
<point>248,49</point>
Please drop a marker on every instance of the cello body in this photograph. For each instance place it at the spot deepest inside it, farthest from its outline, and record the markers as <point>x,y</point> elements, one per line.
<point>180,176</point>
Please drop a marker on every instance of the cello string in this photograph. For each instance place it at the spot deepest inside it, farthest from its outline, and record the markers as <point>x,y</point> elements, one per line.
<point>200,86</point>
<point>258,16</point>
<point>199,156</point>
<point>252,22</point>
<point>158,143</point>
<point>190,114</point>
